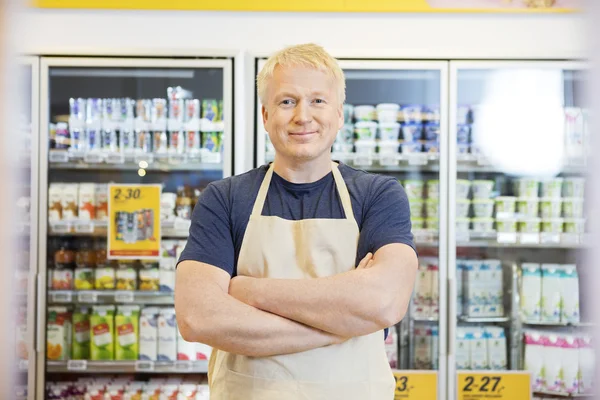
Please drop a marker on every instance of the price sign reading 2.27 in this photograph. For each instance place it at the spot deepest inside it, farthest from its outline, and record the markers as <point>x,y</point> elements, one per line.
<point>500,385</point>
<point>133,221</point>
<point>415,385</point>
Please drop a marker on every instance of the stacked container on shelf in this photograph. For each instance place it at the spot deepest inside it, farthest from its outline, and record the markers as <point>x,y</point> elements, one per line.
<point>423,198</point>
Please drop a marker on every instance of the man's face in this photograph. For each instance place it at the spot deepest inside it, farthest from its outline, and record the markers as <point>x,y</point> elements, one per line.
<point>302,113</point>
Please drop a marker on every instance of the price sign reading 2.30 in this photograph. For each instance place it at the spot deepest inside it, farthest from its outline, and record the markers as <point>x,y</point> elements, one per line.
<point>501,385</point>
<point>415,385</point>
<point>134,221</point>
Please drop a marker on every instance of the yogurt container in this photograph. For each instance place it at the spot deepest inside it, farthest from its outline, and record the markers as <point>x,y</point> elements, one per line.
<point>462,148</point>
<point>529,225</point>
<point>550,207</point>
<point>387,112</point>
<point>506,225</point>
<point>389,131</point>
<point>482,189</point>
<point>432,208</point>
<point>412,131</point>
<point>431,146</point>
<point>553,225</point>
<point>416,207</point>
<point>462,188</point>
<point>431,130</point>
<point>572,207</point>
<point>574,225</point>
<point>552,187</point>
<point>431,113</point>
<point>365,130</point>
<point>483,224</point>
<point>527,187</point>
<point>528,206</point>
<point>365,147</point>
<point>417,223</point>
<point>432,223</point>
<point>388,147</point>
<point>411,148</point>
<point>364,113</point>
<point>462,224</point>
<point>462,208</point>
<point>506,205</point>
<point>433,189</point>
<point>483,208</point>
<point>412,113</point>
<point>574,187</point>
<point>414,189</point>
<point>463,134</point>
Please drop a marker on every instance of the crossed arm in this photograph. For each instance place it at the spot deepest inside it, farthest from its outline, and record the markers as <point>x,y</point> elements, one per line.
<point>264,317</point>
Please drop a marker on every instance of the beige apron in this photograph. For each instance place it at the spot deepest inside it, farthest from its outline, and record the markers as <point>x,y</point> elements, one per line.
<point>274,247</point>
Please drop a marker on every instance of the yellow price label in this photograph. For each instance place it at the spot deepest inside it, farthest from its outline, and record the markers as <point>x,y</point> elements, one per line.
<point>499,385</point>
<point>415,385</point>
<point>133,221</point>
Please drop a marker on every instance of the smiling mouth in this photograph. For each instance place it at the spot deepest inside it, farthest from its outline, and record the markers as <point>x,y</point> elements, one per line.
<point>302,133</point>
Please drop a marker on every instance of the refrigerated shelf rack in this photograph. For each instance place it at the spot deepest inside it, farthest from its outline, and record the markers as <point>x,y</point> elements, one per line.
<point>177,229</point>
<point>565,395</point>
<point>110,297</point>
<point>560,324</point>
<point>150,367</point>
<point>164,166</point>
<point>483,320</point>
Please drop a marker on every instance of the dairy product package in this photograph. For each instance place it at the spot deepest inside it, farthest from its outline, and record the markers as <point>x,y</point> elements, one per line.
<point>87,201</point>
<point>203,351</point>
<point>102,329</point>
<point>58,334</point>
<point>463,348</point>
<point>149,334</point>
<point>531,291</point>
<point>391,347</point>
<point>569,293</point>
<point>435,346</point>
<point>574,133</point>
<point>167,335</point>
<point>551,293</point>
<point>80,349</point>
<point>101,202</point>
<point>570,363</point>
<point>70,201</point>
<point>587,364</point>
<point>474,290</point>
<point>479,352</point>
<point>167,265</point>
<point>422,296</point>
<point>186,351</point>
<point>534,359</point>
<point>460,266</point>
<point>496,347</point>
<point>433,270</point>
<point>494,284</point>
<point>553,352</point>
<point>55,202</point>
<point>127,332</point>
<point>423,349</point>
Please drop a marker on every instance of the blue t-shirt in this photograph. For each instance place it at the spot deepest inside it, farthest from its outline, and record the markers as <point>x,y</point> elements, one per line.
<point>221,215</point>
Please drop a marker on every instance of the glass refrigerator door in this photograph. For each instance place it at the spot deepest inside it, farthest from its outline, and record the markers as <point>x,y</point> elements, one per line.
<point>26,266</point>
<point>123,121</point>
<point>518,149</point>
<point>395,115</point>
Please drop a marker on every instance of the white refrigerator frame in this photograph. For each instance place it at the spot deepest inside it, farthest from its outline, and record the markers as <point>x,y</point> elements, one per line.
<point>43,168</point>
<point>442,67</point>
<point>455,67</point>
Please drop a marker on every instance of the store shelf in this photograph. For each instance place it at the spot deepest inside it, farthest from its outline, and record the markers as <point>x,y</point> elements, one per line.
<point>176,229</point>
<point>158,367</point>
<point>560,324</point>
<point>564,395</point>
<point>109,297</point>
<point>478,164</point>
<point>494,239</point>
<point>425,319</point>
<point>483,320</point>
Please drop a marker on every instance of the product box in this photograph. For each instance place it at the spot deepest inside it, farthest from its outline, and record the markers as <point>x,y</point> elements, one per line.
<point>531,291</point>
<point>55,201</point>
<point>423,347</point>
<point>570,364</point>
<point>102,328</point>
<point>587,365</point>
<point>463,348</point>
<point>70,201</point>
<point>81,334</point>
<point>474,288</point>
<point>479,351</point>
<point>435,347</point>
<point>553,366</point>
<point>496,347</point>
<point>495,292</point>
<point>422,293</point>
<point>127,332</point>
<point>433,269</point>
<point>102,202</point>
<point>203,351</point>
<point>87,201</point>
<point>570,294</point>
<point>186,351</point>
<point>551,293</point>
<point>149,334</point>
<point>167,335</point>
<point>58,334</point>
<point>534,359</point>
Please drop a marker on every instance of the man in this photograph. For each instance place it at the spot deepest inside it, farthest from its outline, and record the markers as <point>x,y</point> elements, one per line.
<point>269,276</point>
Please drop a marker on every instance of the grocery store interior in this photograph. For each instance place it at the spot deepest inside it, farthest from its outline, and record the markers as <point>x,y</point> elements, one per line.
<point>482,117</point>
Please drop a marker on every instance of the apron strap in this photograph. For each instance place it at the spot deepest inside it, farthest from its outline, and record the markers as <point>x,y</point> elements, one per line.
<point>259,203</point>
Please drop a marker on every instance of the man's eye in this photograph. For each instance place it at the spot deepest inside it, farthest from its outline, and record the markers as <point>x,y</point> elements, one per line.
<point>319,101</point>
<point>287,102</point>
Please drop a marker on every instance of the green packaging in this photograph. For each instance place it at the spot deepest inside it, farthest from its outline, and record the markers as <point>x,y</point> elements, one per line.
<point>127,333</point>
<point>210,109</point>
<point>80,349</point>
<point>102,329</point>
<point>212,141</point>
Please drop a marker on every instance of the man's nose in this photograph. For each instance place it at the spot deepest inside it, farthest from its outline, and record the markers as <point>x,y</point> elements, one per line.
<point>303,114</point>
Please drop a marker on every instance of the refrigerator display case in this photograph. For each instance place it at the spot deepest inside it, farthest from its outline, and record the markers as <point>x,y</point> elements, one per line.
<point>396,124</point>
<point>124,121</point>
<point>517,224</point>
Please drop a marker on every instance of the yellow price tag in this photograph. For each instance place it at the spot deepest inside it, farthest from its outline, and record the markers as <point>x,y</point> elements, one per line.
<point>415,385</point>
<point>498,385</point>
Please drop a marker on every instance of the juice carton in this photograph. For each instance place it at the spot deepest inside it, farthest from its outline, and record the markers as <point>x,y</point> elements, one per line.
<point>570,294</point>
<point>102,202</point>
<point>463,348</point>
<point>422,294</point>
<point>58,334</point>
<point>551,293</point>
<point>149,334</point>
<point>587,364</point>
<point>81,334</point>
<point>496,347</point>
<point>87,201</point>
<point>167,335</point>
<point>494,285</point>
<point>127,330</point>
<point>433,270</point>
<point>391,347</point>
<point>422,347</point>
<point>70,201</point>
<point>203,351</point>
<point>570,364</point>
<point>186,351</point>
<point>553,352</point>
<point>531,291</point>
<point>102,328</point>
<point>474,289</point>
<point>534,359</point>
<point>435,346</point>
<point>479,356</point>
<point>55,202</point>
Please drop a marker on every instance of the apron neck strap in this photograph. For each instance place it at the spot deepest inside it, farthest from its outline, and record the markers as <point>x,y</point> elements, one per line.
<point>339,182</point>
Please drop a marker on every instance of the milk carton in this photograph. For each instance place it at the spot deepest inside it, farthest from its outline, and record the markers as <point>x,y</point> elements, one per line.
<point>494,288</point>
<point>570,364</point>
<point>551,293</point>
<point>569,294</point>
<point>534,359</point>
<point>552,354</point>
<point>574,132</point>
<point>435,346</point>
<point>203,351</point>
<point>531,291</point>
<point>58,344</point>
<point>167,335</point>
<point>496,347</point>
<point>87,201</point>
<point>474,289</point>
<point>459,286</point>
<point>70,201</point>
<point>149,334</point>
<point>166,274</point>
<point>422,347</point>
<point>186,351</point>
<point>587,365</point>
<point>421,303</point>
<point>127,332</point>
<point>391,347</point>
<point>479,352</point>
<point>102,202</point>
<point>463,349</point>
<point>433,269</point>
<point>102,328</point>
<point>81,334</point>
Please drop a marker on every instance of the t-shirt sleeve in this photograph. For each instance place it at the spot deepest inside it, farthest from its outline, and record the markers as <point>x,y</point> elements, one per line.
<point>387,216</point>
<point>210,240</point>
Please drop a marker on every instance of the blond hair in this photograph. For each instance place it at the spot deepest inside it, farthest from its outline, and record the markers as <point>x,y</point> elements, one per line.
<point>307,55</point>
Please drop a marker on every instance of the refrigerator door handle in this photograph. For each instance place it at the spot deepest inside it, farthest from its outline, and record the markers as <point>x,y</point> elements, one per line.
<point>451,317</point>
